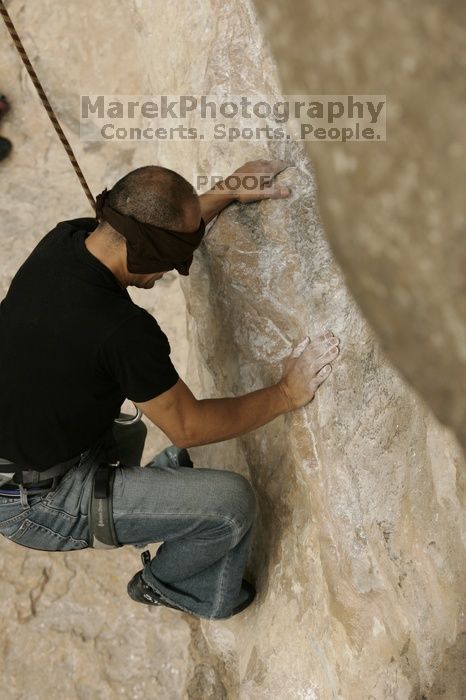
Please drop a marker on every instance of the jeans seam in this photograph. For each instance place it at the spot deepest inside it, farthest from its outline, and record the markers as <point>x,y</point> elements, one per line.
<point>164,598</point>
<point>223,571</point>
<point>18,517</point>
<point>53,532</point>
<point>230,521</point>
<point>234,540</point>
<point>48,508</point>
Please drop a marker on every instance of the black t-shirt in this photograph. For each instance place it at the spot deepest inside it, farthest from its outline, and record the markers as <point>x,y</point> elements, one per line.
<point>73,347</point>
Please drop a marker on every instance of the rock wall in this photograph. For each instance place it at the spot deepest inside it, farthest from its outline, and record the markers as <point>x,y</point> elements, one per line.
<point>359,556</point>
<point>358,553</point>
<point>394,212</point>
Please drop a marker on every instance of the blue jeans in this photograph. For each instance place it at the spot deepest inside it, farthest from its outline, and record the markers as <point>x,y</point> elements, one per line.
<point>204,517</point>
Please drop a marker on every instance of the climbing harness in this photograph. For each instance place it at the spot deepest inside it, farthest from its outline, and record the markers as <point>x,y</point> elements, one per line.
<point>24,482</point>
<point>131,420</point>
<point>100,515</point>
<point>100,511</point>
<point>29,482</point>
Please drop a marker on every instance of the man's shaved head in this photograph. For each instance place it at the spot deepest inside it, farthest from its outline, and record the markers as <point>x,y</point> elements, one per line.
<point>155,195</point>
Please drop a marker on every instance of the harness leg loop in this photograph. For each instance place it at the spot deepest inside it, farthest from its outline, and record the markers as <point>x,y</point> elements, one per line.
<point>101,525</point>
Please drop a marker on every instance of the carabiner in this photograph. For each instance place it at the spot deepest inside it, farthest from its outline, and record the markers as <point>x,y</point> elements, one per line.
<point>130,421</point>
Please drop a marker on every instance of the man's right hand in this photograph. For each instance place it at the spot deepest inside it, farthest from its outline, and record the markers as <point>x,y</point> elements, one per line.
<point>189,422</point>
<point>307,367</point>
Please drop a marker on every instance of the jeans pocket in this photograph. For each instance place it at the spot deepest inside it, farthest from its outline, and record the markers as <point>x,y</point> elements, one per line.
<point>53,493</point>
<point>13,513</point>
<point>34,536</point>
<point>10,527</point>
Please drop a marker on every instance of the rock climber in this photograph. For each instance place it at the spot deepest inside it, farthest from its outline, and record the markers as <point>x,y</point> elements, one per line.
<point>74,347</point>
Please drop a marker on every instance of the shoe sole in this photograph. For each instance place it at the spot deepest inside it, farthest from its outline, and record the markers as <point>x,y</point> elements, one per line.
<point>251,595</point>
<point>135,593</point>
<point>150,597</point>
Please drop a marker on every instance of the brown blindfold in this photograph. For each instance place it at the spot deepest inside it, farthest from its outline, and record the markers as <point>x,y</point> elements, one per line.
<point>150,248</point>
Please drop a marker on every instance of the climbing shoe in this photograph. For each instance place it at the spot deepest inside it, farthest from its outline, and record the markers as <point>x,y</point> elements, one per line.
<point>171,456</point>
<point>141,592</point>
<point>5,147</point>
<point>246,596</point>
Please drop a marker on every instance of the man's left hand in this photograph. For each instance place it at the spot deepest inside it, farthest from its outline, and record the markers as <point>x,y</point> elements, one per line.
<point>252,182</point>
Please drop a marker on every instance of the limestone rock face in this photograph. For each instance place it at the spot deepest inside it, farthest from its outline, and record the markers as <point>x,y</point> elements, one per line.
<point>395,212</point>
<point>360,492</point>
<point>358,555</point>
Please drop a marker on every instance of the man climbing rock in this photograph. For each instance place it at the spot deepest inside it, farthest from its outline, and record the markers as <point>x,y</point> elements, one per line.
<point>74,346</point>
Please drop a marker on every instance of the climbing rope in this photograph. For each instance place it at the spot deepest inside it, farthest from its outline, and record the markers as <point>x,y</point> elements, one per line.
<point>32,73</point>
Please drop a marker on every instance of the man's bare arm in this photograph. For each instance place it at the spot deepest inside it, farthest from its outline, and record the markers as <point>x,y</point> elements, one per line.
<point>214,200</point>
<point>189,422</point>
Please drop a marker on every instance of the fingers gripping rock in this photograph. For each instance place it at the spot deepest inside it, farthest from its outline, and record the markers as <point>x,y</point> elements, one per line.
<point>308,366</point>
<point>299,348</point>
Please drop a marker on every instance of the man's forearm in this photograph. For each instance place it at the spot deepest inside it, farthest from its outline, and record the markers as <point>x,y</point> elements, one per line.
<point>221,419</point>
<point>214,200</point>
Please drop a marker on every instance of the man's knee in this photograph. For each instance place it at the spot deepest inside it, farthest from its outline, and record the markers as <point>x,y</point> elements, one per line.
<point>240,500</point>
